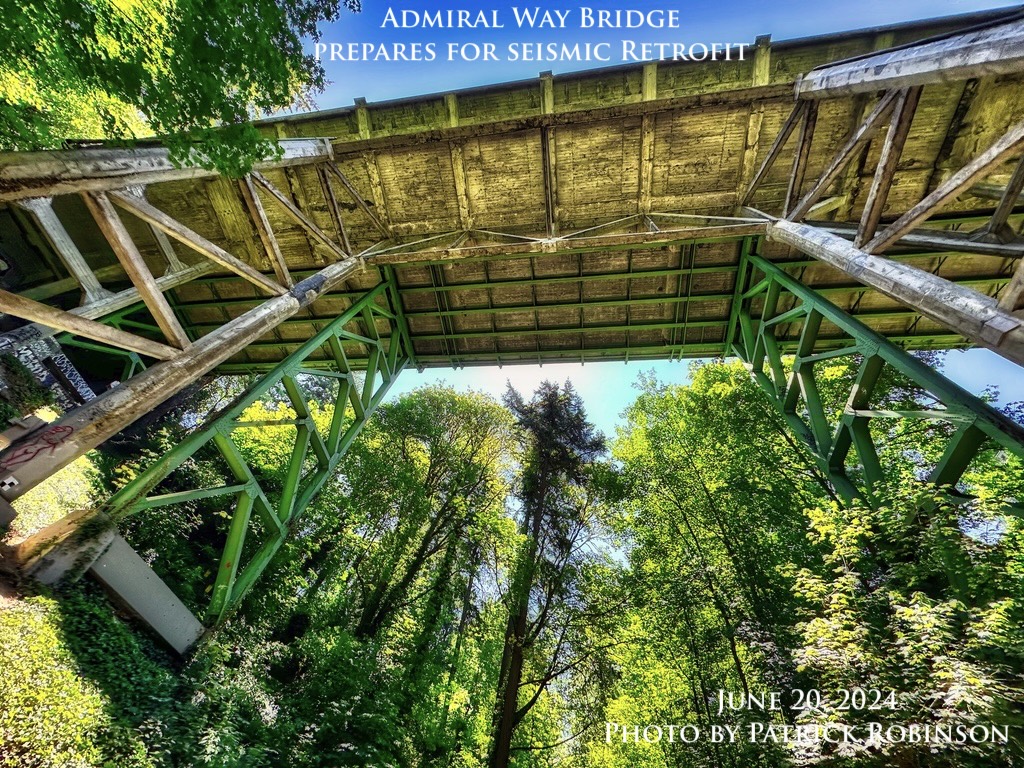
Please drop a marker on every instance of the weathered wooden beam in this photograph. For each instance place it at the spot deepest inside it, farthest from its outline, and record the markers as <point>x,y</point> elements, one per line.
<point>946,241</point>
<point>549,162</point>
<point>157,218</point>
<point>29,461</point>
<point>854,144</point>
<point>230,214</point>
<point>363,205</point>
<point>755,119</point>
<point>649,92</point>
<point>773,152</point>
<point>1011,298</point>
<point>1007,146</point>
<point>895,138</point>
<point>174,264</point>
<point>800,158</point>
<point>114,231</point>
<point>1007,201</point>
<point>66,284</point>
<point>298,216</point>
<point>264,230</point>
<point>19,306</point>
<point>973,315</point>
<point>996,49</point>
<point>992,192</point>
<point>380,199</point>
<point>829,204</point>
<point>41,210</point>
<point>461,187</point>
<point>43,174</point>
<point>335,210</point>
<point>550,174</point>
<point>101,308</point>
<point>458,165</point>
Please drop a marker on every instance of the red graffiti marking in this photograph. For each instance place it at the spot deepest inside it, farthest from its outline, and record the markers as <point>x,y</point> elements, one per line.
<point>47,440</point>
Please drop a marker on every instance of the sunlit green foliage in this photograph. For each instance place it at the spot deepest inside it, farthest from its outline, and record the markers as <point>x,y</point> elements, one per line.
<point>188,71</point>
<point>474,565</point>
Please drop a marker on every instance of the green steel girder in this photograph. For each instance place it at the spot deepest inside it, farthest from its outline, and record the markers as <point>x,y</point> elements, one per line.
<point>281,509</point>
<point>762,290</point>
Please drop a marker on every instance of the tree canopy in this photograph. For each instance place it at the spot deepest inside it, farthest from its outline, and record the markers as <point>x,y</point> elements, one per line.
<point>492,585</point>
<point>193,73</point>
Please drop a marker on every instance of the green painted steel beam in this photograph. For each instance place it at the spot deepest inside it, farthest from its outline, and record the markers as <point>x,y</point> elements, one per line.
<point>279,508</point>
<point>834,441</point>
<point>613,353</point>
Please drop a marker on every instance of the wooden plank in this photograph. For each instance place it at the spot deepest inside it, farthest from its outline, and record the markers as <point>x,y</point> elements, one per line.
<point>135,267</point>
<point>1008,200</point>
<point>996,49</point>
<point>899,130</point>
<point>773,152</point>
<point>19,306</point>
<point>363,205</point>
<point>298,216</point>
<point>855,143</point>
<point>44,174</point>
<point>41,209</point>
<point>157,218</point>
<point>1003,149</point>
<point>803,153</point>
<point>264,230</point>
<point>332,204</point>
<point>1012,297</point>
<point>649,92</point>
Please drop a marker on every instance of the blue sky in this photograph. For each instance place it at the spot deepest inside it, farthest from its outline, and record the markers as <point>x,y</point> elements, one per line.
<point>607,388</point>
<point>722,21</point>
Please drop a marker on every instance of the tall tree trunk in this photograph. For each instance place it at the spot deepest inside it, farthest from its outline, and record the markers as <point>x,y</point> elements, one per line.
<point>507,704</point>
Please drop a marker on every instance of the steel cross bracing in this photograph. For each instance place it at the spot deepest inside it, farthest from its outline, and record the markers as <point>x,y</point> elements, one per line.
<point>280,509</point>
<point>770,299</point>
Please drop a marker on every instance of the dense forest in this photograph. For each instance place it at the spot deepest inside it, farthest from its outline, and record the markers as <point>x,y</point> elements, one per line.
<point>496,584</point>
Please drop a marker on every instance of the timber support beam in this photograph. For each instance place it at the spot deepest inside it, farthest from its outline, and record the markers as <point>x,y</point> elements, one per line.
<point>26,463</point>
<point>969,313</point>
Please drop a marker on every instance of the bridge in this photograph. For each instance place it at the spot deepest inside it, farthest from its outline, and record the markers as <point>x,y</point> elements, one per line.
<point>852,195</point>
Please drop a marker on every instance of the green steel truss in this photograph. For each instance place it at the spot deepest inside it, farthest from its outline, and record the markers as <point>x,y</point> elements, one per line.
<point>314,458</point>
<point>768,299</point>
<point>767,304</point>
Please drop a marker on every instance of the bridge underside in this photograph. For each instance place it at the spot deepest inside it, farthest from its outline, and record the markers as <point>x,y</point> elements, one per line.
<point>663,211</point>
<point>565,218</point>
